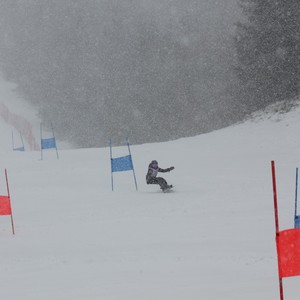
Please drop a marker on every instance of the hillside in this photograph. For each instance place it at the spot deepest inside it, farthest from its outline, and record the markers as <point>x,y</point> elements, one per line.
<point>212,238</point>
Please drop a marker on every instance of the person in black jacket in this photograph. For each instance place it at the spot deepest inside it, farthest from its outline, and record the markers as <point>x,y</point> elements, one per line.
<point>151,177</point>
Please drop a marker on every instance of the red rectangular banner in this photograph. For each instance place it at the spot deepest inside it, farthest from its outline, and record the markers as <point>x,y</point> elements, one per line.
<point>288,249</point>
<point>5,208</point>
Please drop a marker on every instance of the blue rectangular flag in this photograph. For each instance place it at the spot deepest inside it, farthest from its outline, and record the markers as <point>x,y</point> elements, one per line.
<point>120,164</point>
<point>296,217</point>
<point>48,143</point>
<point>19,149</point>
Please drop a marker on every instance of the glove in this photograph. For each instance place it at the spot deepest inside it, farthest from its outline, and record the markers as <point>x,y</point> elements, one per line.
<point>171,168</point>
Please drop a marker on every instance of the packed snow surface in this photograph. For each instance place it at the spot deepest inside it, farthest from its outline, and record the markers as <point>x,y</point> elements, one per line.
<point>212,238</point>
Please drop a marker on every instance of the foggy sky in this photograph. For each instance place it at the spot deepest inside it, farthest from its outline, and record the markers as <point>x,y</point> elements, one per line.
<point>147,70</point>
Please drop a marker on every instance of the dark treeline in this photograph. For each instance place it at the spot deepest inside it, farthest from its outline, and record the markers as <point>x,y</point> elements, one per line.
<point>268,52</point>
<point>147,70</point>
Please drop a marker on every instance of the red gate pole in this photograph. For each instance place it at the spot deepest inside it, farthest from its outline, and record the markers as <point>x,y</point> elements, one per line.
<point>276,224</point>
<point>11,216</point>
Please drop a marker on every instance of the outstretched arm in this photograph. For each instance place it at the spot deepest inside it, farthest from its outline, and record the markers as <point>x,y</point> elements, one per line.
<point>166,170</point>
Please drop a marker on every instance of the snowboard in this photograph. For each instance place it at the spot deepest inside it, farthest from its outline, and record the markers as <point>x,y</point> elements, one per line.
<point>168,189</point>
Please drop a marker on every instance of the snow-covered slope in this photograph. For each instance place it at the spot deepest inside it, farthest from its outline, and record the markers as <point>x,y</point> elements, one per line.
<point>212,238</point>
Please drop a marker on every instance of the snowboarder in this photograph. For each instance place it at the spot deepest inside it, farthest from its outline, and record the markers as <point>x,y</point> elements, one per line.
<point>151,177</point>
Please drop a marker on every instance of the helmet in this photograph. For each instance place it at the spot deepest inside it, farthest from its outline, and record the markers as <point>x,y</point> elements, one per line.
<point>154,164</point>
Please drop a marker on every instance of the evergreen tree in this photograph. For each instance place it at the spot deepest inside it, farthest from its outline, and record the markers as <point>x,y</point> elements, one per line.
<point>268,46</point>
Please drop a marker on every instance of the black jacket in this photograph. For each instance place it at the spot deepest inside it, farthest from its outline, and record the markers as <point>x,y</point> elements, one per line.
<point>152,173</point>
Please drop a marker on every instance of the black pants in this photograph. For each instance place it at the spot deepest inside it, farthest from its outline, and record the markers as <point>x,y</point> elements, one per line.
<point>158,180</point>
